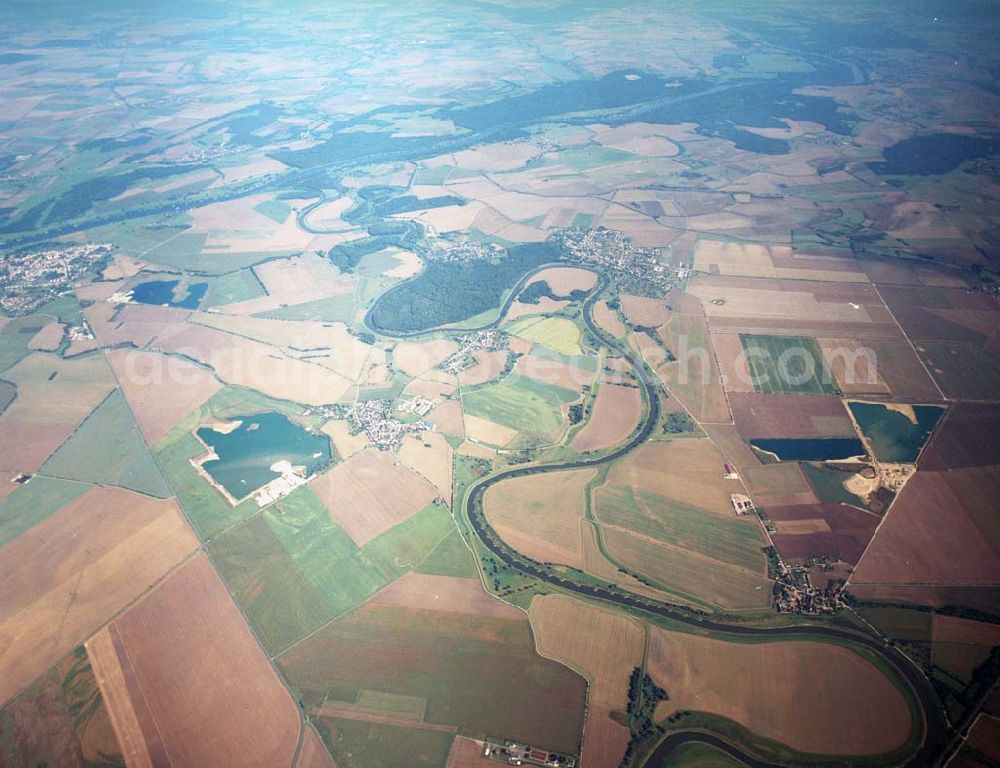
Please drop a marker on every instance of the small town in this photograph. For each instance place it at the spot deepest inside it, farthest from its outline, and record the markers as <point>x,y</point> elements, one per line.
<point>469,251</point>
<point>614,251</point>
<point>30,280</point>
<point>376,420</point>
<point>460,359</point>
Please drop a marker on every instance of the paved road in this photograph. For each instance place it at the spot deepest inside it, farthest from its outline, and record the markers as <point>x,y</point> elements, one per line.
<point>934,722</point>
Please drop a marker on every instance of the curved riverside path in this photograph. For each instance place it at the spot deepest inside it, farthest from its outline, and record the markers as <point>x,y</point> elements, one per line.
<point>934,723</point>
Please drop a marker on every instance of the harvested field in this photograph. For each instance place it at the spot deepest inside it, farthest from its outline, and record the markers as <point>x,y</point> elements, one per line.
<point>468,753</point>
<point>313,753</point>
<point>564,280</point>
<point>854,366</point>
<point>607,319</point>
<point>604,739</point>
<point>942,314</point>
<point>616,413</point>
<point>54,397</point>
<point>979,598</point>
<point>344,442</point>
<point>601,644</point>
<point>447,594</point>
<point>370,493</point>
<point>544,306</point>
<point>200,689</point>
<point>827,699</point>
<point>541,515</point>
<point>330,345</point>
<point>794,307</point>
<point>48,339</point>
<point>736,259</point>
<point>686,471</point>
<point>939,531</point>
<point>448,418</point>
<point>732,361</point>
<point>414,358</point>
<point>489,365</point>
<point>837,531</point>
<point>781,415</point>
<point>447,660</point>
<point>692,576</point>
<point>73,571</point>
<point>249,363</point>
<point>485,431</point>
<point>160,390</point>
<point>430,456</point>
<point>694,378</point>
<point>644,311</point>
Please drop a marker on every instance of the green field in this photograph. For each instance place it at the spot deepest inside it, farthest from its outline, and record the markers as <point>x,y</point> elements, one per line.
<point>208,511</point>
<point>274,210</point>
<point>521,403</point>
<point>292,568</point>
<point>15,337</point>
<point>452,557</point>
<point>241,285</point>
<point>108,448</point>
<point>696,755</point>
<point>787,364</point>
<point>727,539</point>
<point>360,744</point>
<point>337,308</point>
<point>8,392</point>
<point>30,504</point>
<point>560,334</point>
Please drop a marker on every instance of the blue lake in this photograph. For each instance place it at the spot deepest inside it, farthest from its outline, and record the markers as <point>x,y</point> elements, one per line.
<point>161,292</point>
<point>812,449</point>
<point>893,436</point>
<point>262,439</point>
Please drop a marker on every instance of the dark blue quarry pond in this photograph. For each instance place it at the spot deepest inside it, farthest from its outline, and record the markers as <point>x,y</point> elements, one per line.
<point>812,449</point>
<point>161,293</point>
<point>262,439</point>
<point>893,436</point>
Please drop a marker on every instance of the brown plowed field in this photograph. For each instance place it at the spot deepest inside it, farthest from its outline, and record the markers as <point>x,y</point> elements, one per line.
<point>839,531</point>
<point>792,416</point>
<point>371,492</point>
<point>941,530</point>
<point>968,436</point>
<point>615,414</point>
<point>72,572</point>
<point>540,515</point>
<point>201,689</point>
<point>160,390</point>
<point>826,699</point>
